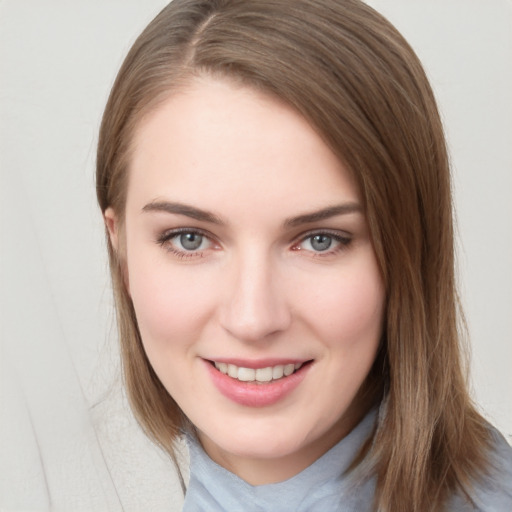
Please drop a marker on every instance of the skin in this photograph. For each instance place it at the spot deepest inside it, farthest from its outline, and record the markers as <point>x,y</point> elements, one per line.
<point>257,287</point>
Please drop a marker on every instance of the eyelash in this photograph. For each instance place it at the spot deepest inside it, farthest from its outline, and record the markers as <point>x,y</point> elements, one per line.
<point>343,242</point>
<point>164,239</point>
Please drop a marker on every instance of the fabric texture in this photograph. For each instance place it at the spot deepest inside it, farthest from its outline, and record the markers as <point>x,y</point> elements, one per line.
<point>326,485</point>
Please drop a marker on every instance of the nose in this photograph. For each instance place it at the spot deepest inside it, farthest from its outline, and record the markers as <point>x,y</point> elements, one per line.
<point>255,306</point>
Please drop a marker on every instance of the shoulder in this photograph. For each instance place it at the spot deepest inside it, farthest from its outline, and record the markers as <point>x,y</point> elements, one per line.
<point>493,492</point>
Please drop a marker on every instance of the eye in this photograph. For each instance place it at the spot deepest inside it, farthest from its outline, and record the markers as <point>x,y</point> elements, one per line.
<point>190,241</point>
<point>319,243</point>
<point>185,242</point>
<point>323,243</point>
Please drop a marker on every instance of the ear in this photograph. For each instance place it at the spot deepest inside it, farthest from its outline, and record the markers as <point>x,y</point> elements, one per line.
<point>114,232</point>
<point>112,223</point>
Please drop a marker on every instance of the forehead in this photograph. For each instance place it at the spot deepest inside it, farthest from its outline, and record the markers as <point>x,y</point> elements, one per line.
<point>219,142</point>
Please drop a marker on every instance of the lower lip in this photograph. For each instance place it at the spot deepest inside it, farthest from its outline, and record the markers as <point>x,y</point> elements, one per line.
<point>252,394</point>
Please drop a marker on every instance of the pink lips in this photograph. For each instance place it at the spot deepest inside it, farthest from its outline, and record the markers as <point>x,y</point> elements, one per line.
<point>252,394</point>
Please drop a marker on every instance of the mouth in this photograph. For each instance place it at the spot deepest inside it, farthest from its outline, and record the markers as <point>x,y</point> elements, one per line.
<point>265,384</point>
<point>264,375</point>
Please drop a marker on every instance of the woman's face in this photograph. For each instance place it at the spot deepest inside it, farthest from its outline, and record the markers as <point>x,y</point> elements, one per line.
<point>248,257</point>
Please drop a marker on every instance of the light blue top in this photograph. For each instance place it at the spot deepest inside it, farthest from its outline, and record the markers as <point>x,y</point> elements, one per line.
<point>323,486</point>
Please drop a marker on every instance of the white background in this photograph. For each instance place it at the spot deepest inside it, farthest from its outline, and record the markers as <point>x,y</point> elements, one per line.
<point>67,441</point>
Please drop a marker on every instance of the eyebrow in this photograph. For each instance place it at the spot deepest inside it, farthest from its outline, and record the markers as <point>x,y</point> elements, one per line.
<point>206,216</point>
<point>182,209</point>
<point>323,214</point>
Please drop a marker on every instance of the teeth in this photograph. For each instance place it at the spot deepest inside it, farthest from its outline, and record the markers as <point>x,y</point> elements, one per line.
<point>260,375</point>
<point>289,369</point>
<point>223,367</point>
<point>233,371</point>
<point>278,371</point>
<point>264,374</point>
<point>246,374</point>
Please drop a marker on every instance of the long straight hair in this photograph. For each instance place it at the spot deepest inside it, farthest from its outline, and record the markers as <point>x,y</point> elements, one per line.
<point>346,69</point>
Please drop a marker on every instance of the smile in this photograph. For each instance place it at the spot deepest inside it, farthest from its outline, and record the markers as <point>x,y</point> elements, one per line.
<point>268,383</point>
<point>268,374</point>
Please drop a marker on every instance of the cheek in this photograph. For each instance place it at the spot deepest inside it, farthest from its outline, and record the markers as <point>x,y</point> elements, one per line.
<point>171,303</point>
<point>348,309</point>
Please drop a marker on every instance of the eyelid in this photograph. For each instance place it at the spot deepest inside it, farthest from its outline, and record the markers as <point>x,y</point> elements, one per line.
<point>171,233</point>
<point>164,238</point>
<point>338,234</point>
<point>342,237</point>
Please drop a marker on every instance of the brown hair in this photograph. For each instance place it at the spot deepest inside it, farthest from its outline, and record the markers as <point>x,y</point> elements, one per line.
<point>356,80</point>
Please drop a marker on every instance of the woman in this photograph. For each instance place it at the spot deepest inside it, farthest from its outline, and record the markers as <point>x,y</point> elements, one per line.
<point>276,191</point>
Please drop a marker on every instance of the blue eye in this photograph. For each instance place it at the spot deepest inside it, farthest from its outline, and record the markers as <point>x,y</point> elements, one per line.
<point>190,241</point>
<point>326,243</point>
<point>185,242</point>
<point>320,242</point>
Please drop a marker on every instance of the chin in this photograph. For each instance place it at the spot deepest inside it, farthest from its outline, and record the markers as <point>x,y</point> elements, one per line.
<point>256,447</point>
<point>261,441</point>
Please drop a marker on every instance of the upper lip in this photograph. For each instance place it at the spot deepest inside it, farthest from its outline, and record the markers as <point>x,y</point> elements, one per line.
<point>258,363</point>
